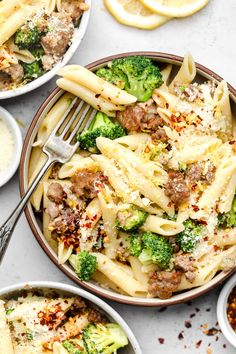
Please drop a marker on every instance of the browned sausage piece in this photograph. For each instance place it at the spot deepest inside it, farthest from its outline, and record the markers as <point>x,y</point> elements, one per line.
<point>162,284</point>
<point>74,7</point>
<point>83,183</point>
<point>195,173</point>
<point>95,316</point>
<point>184,263</point>
<point>131,118</point>
<point>160,136</point>
<point>55,193</point>
<point>15,71</point>
<point>176,188</point>
<point>56,40</point>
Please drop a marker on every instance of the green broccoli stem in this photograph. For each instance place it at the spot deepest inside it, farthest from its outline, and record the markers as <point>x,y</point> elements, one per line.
<point>137,89</point>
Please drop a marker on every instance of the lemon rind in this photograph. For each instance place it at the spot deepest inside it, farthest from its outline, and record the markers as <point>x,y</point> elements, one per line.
<point>186,10</point>
<point>141,22</point>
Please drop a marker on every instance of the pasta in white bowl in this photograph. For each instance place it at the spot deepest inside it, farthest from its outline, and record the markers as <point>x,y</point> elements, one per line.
<point>150,209</point>
<point>55,318</point>
<point>37,37</point>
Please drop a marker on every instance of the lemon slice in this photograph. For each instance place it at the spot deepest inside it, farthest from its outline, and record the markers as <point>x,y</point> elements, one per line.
<point>175,8</point>
<point>133,13</point>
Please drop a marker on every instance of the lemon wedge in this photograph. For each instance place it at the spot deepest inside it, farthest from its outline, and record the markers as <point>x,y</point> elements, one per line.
<point>175,8</point>
<point>134,13</point>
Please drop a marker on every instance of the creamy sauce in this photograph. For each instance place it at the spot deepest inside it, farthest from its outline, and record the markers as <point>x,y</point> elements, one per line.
<point>6,146</point>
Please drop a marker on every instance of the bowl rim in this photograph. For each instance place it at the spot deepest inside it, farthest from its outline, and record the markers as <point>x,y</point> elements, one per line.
<point>224,324</point>
<point>98,290</point>
<point>79,292</point>
<point>10,121</point>
<point>76,41</point>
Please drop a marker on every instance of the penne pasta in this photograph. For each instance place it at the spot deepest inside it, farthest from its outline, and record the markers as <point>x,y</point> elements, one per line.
<point>186,73</point>
<point>90,97</point>
<point>126,282</point>
<point>86,78</point>
<point>162,226</point>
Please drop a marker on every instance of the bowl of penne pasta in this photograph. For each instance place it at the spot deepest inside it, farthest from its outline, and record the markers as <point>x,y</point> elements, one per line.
<point>37,38</point>
<point>56,318</point>
<point>146,205</point>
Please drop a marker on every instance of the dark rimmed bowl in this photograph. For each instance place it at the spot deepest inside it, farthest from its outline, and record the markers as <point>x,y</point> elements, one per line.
<point>162,58</point>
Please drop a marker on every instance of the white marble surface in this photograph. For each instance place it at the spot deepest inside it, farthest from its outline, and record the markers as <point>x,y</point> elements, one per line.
<point>210,36</point>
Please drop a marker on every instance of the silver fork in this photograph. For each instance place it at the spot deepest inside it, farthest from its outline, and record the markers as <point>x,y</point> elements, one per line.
<point>59,147</point>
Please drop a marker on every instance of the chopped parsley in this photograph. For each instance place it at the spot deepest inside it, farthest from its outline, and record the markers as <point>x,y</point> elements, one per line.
<point>182,88</point>
<point>10,310</point>
<point>29,335</point>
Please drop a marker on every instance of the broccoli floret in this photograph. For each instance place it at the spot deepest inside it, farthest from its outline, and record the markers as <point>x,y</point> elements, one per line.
<point>136,74</point>
<point>32,71</point>
<point>75,346</point>
<point>228,219</point>
<point>156,249</point>
<point>130,218</point>
<point>27,38</point>
<point>190,237</point>
<point>85,264</point>
<point>100,126</point>
<point>104,338</point>
<point>107,74</point>
<point>38,53</point>
<point>135,245</point>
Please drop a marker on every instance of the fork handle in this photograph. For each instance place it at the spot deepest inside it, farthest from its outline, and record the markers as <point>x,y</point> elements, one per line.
<point>7,228</point>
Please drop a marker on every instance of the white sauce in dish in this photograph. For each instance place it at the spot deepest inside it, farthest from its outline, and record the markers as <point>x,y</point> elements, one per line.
<point>6,146</point>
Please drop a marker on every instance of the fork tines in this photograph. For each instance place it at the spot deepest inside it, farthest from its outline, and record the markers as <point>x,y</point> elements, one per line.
<point>78,115</point>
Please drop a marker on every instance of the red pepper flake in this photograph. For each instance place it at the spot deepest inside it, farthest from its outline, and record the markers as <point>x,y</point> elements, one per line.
<point>211,331</point>
<point>216,248</point>
<point>224,346</point>
<point>188,303</point>
<point>208,310</point>
<point>197,309</point>
<point>198,344</point>
<point>181,335</point>
<point>173,118</point>
<point>192,315</point>
<point>232,142</point>
<point>231,306</point>
<point>203,222</point>
<point>217,338</point>
<point>195,208</point>
<point>188,324</point>
<point>161,340</point>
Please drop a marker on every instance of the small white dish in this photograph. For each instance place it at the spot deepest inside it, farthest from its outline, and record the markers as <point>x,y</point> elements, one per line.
<point>224,324</point>
<point>75,43</point>
<point>14,290</point>
<point>13,127</point>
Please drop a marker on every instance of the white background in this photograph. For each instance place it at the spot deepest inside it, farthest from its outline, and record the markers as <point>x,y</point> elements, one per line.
<point>210,36</point>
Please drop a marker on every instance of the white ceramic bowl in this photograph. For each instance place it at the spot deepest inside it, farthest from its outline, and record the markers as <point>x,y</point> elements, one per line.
<point>77,38</point>
<point>132,348</point>
<point>224,324</point>
<point>10,121</point>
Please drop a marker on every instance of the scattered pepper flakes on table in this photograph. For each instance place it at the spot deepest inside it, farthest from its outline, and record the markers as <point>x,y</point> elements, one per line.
<point>188,324</point>
<point>198,344</point>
